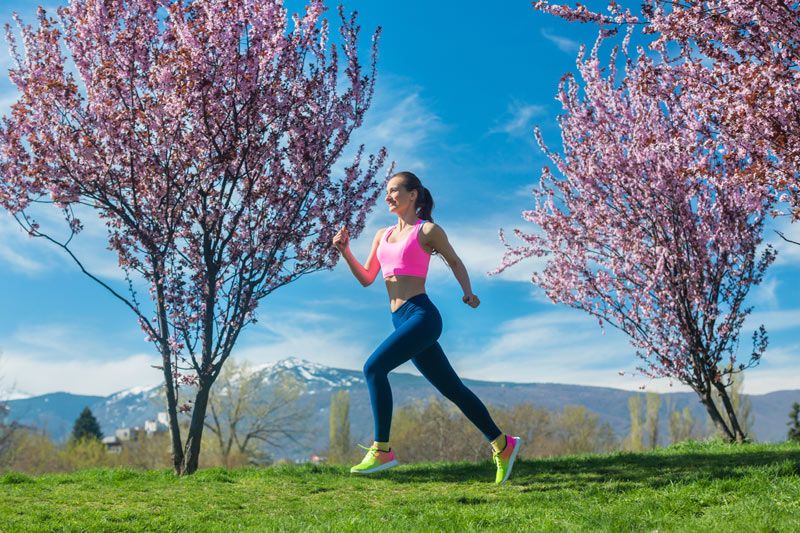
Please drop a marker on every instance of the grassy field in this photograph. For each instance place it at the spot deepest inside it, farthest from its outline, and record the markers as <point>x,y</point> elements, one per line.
<point>693,486</point>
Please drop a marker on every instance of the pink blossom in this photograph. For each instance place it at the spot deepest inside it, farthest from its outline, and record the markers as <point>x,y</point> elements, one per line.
<point>738,63</point>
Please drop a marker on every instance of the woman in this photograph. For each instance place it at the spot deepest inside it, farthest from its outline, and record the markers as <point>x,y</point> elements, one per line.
<point>402,253</point>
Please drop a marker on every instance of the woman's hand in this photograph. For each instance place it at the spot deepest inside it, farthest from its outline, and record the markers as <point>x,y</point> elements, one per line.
<point>342,239</point>
<point>471,300</point>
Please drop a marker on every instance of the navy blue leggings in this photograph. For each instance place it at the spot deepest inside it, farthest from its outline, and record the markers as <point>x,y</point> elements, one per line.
<point>417,326</point>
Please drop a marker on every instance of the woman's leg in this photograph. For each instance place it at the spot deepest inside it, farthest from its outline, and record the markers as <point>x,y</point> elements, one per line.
<point>415,331</point>
<point>433,364</point>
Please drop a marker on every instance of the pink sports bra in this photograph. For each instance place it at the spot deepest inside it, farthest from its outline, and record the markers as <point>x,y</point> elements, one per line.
<point>403,258</point>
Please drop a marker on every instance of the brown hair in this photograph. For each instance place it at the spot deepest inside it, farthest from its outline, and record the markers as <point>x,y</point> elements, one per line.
<point>424,203</point>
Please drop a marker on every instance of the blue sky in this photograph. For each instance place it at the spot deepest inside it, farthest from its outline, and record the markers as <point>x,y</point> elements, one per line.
<point>460,87</point>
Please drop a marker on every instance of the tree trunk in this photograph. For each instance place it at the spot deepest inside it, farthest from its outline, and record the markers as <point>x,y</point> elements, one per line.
<point>172,409</point>
<point>192,451</point>
<point>736,429</point>
<point>166,359</point>
<point>716,418</point>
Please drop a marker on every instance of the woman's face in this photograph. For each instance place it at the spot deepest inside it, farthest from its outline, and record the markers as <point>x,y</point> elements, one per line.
<point>398,198</point>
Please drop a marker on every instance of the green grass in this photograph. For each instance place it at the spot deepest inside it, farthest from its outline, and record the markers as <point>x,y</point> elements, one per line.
<point>694,486</point>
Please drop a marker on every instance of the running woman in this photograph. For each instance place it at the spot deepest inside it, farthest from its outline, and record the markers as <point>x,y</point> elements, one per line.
<point>402,253</point>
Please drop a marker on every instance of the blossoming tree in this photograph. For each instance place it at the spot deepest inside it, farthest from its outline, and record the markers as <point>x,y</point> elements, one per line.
<point>644,229</point>
<point>741,61</point>
<point>205,137</point>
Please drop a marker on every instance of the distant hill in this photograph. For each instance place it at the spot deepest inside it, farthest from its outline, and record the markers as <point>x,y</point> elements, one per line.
<point>56,412</point>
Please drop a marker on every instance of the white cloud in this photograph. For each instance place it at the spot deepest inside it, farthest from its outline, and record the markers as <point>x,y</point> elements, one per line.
<point>17,250</point>
<point>80,376</point>
<point>50,342</point>
<point>315,337</point>
<point>517,121</point>
<point>339,302</point>
<point>36,256</point>
<point>401,120</point>
<point>563,43</point>
<point>775,320</point>
<point>556,346</point>
<point>17,396</point>
<point>765,295</point>
<point>526,191</point>
<point>778,370</point>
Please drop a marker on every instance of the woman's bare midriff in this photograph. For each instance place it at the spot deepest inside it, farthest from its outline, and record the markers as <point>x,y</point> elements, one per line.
<point>402,288</point>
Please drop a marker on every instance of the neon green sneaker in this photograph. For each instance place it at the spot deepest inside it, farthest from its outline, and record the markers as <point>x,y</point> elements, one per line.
<point>505,459</point>
<point>375,461</point>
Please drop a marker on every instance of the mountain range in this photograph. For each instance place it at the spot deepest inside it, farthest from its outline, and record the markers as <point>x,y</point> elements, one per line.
<point>55,413</point>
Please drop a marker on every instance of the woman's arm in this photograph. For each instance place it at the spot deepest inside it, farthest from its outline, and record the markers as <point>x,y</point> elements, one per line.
<point>364,274</point>
<point>435,237</point>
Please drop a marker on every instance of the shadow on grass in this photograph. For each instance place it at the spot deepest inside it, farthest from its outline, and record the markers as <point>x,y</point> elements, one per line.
<point>625,471</point>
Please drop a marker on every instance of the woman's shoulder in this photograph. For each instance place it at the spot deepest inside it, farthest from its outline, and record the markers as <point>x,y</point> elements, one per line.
<point>428,227</point>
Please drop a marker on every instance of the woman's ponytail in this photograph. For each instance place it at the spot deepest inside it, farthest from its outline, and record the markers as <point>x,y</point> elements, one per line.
<point>425,205</point>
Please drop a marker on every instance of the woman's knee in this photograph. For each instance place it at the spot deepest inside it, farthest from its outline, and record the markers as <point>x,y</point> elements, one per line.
<point>373,368</point>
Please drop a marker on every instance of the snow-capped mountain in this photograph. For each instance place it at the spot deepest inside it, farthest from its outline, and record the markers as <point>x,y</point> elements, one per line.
<point>312,374</point>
